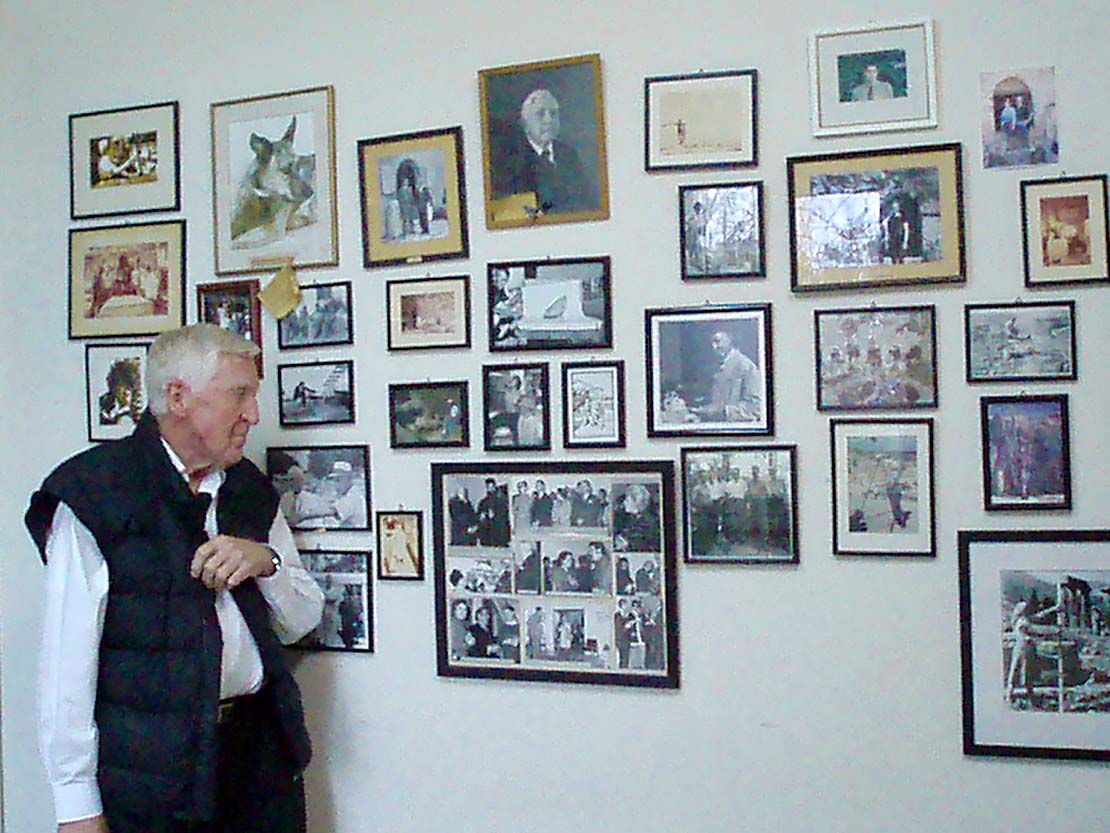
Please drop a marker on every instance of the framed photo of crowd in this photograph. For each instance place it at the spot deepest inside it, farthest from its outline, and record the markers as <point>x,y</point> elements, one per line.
<point>556,572</point>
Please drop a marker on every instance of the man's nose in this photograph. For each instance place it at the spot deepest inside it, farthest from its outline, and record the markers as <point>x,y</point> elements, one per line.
<point>250,412</point>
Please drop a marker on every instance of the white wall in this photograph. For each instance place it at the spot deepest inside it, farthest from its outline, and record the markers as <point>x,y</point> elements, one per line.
<point>824,697</point>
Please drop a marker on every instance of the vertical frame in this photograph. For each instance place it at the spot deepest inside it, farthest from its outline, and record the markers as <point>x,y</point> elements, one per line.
<point>234,306</point>
<point>1026,452</point>
<point>516,412</point>
<point>593,404</point>
<point>721,231</point>
<point>115,389</point>
<point>347,623</point>
<point>1064,231</point>
<point>400,545</point>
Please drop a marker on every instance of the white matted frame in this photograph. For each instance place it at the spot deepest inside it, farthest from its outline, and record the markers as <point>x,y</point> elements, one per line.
<point>115,388</point>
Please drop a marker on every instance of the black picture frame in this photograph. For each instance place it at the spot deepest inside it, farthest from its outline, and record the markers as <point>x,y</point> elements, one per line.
<point>720,231</point>
<point>324,317</point>
<point>429,414</point>
<point>299,473</point>
<point>428,313</point>
<point>234,306</point>
<point>399,545</point>
<point>516,401</point>
<point>1065,231</point>
<point>593,404</point>
<point>1014,429</point>
<point>347,623</point>
<point>1029,341</point>
<point>115,379</point>
<point>316,393</point>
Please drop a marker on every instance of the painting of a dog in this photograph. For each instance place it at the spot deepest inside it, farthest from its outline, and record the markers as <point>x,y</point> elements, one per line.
<point>276,196</point>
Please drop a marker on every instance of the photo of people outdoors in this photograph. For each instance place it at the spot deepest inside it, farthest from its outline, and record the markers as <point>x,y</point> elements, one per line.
<point>347,621</point>
<point>1019,121</point>
<point>322,316</point>
<point>1026,463</point>
<point>1027,341</point>
<point>316,393</point>
<point>517,411</point>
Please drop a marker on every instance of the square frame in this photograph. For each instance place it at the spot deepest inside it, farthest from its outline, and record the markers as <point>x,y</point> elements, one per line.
<point>316,393</point>
<point>845,98</point>
<point>516,399</point>
<point>906,219</point>
<point>522,188</point>
<point>724,223</point>
<point>1002,574</point>
<point>148,176</point>
<point>347,623</point>
<point>300,472</point>
<point>701,120</point>
<point>410,185</point>
<point>883,487</point>
<point>1083,232</point>
<point>1015,431</point>
<point>400,540</point>
<point>441,407</point>
<point>119,407</point>
<point>323,317</point>
<point>234,306</point>
<point>721,524</point>
<point>593,404</point>
<point>428,313</point>
<point>1020,342</point>
<point>149,299</point>
<point>266,218</point>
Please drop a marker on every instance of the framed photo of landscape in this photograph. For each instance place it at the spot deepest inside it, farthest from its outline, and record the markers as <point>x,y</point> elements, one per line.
<point>721,231</point>
<point>322,487</point>
<point>1021,342</point>
<point>890,217</point>
<point>428,313</point>
<point>1026,452</point>
<point>1033,643</point>
<point>115,389</point>
<point>516,407</point>
<point>322,317</point>
<point>316,393</point>
<point>347,623</point>
<point>593,404</point>
<point>1064,231</point>
<point>429,415</point>
<point>558,572</point>
<point>400,545</point>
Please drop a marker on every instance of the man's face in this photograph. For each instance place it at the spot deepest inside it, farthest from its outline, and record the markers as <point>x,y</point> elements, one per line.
<point>721,344</point>
<point>541,119</point>
<point>341,480</point>
<point>220,416</point>
<point>871,73</point>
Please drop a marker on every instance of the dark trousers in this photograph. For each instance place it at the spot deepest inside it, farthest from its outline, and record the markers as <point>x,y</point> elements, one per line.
<point>259,792</point>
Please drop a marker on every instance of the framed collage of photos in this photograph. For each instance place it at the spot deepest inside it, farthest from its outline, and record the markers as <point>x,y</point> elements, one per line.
<point>593,404</point>
<point>322,317</point>
<point>316,393</point>
<point>429,415</point>
<point>1026,452</point>
<point>721,231</point>
<point>556,572</point>
<point>347,623</point>
<point>428,313</point>
<point>1034,607</point>
<point>115,389</point>
<point>400,545</point>
<point>1023,342</point>
<point>233,305</point>
<point>322,487</point>
<point>516,407</point>
<point>1064,230</point>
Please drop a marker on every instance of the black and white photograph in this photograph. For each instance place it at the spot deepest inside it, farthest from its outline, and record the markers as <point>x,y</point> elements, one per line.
<point>322,487</point>
<point>1026,452</point>
<point>593,404</point>
<point>321,318</point>
<point>316,393</point>
<point>721,231</point>
<point>347,623</point>
<point>516,413</point>
<point>429,415</point>
<point>115,389</point>
<point>1023,342</point>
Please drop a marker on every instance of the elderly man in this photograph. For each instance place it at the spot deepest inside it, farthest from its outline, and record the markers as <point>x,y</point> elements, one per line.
<point>172,580</point>
<point>736,393</point>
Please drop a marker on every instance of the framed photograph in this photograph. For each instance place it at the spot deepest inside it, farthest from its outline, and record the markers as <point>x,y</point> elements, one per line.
<point>876,358</point>
<point>1017,118</point>
<point>322,487</point>
<point>347,623</point>
<point>562,304</point>
<point>1023,342</point>
<point>124,161</point>
<point>702,120</point>
<point>273,182</point>
<point>889,217</point>
<point>516,413</point>
<point>429,415</point>
<point>709,370</point>
<point>1026,452</point>
<point>740,504</point>
<point>233,305</point>
<point>1034,607</point>
<point>400,545</point>
<point>873,78</point>
<point>115,389</point>
<point>1064,231</point>
<point>316,393</point>
<point>593,404</point>
<point>428,313</point>
<point>413,194</point>
<point>126,280</point>
<point>543,142</point>
<point>321,318</point>
<point>883,498</point>
<point>721,231</point>
<point>560,572</point>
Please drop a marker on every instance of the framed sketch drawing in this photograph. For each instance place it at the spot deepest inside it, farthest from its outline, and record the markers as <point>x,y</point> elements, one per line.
<point>429,415</point>
<point>709,370</point>
<point>593,404</point>
<point>876,358</point>
<point>702,120</point>
<point>1026,452</point>
<point>543,142</point>
<point>883,487</point>
<point>347,623</point>
<point>126,280</point>
<point>516,412</point>
<point>322,487</point>
<point>556,572</point>
<point>1023,342</point>
<point>321,318</point>
<point>115,389</point>
<point>1033,632</point>
<point>124,161</point>
<point>273,182</point>
<point>740,504</point>
<point>413,197</point>
<point>890,217</point>
<point>428,313</point>
<point>316,393</point>
<point>233,305</point>
<point>400,545</point>
<point>1064,231</point>
<point>721,231</point>
<point>873,78</point>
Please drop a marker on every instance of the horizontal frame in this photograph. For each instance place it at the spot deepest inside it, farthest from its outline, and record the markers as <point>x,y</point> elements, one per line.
<point>593,404</point>
<point>1064,231</point>
<point>322,318</point>
<point>428,313</point>
<point>304,476</point>
<point>429,415</point>
<point>400,545</point>
<point>115,379</point>
<point>234,306</point>
<point>516,401</point>
<point>721,231</point>
<point>347,623</point>
<point>1022,342</point>
<point>1026,452</point>
<point>316,393</point>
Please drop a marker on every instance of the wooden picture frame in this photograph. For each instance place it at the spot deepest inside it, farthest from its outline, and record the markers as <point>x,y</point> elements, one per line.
<point>347,623</point>
<point>720,229</point>
<point>516,407</point>
<point>1064,231</point>
<point>322,487</point>
<point>429,415</point>
<point>234,306</point>
<point>1029,341</point>
<point>323,317</point>
<point>316,393</point>
<point>428,313</point>
<point>1026,452</point>
<point>115,389</point>
<point>593,404</point>
<point>400,545</point>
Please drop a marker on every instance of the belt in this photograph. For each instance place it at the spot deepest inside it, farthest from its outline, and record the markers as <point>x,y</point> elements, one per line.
<point>231,707</point>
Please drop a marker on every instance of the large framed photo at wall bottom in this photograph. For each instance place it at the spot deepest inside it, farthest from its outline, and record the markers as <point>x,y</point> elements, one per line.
<point>556,572</point>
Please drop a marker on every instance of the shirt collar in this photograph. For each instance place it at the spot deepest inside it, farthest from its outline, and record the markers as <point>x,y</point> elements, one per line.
<point>209,484</point>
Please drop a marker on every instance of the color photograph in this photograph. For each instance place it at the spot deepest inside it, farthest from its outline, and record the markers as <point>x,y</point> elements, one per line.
<point>1026,452</point>
<point>1018,120</point>
<point>1025,342</point>
<point>429,415</point>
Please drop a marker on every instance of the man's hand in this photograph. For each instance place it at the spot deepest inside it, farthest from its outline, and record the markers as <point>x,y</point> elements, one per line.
<point>225,562</point>
<point>96,824</point>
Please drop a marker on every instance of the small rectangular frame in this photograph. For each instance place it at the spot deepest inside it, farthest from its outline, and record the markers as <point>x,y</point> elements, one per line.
<point>300,473</point>
<point>400,545</point>
<point>593,404</point>
<point>1064,231</point>
<point>429,415</point>
<point>115,389</point>
<point>1026,452</point>
<point>348,620</point>
<point>720,230</point>
<point>516,407</point>
<point>428,313</point>
<point>1020,342</point>
<point>234,306</point>
<point>316,393</point>
<point>322,318</point>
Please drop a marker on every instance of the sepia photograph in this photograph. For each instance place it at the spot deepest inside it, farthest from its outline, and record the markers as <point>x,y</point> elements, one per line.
<point>322,317</point>
<point>429,415</point>
<point>721,231</point>
<point>428,313</point>
<point>1026,452</point>
<point>115,389</point>
<point>516,413</point>
<point>322,487</point>
<point>316,393</point>
<point>400,545</point>
<point>593,404</point>
<point>1018,118</point>
<point>1064,231</point>
<point>1023,342</point>
<point>347,623</point>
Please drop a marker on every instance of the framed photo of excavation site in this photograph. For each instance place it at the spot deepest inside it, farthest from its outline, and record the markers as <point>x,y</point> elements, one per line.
<point>556,572</point>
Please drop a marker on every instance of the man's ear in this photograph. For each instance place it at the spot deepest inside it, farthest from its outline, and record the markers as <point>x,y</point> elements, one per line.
<point>177,397</point>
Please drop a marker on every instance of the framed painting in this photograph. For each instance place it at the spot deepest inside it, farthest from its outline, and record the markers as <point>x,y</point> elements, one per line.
<point>701,120</point>
<point>740,504</point>
<point>347,623</point>
<point>1026,452</point>
<point>721,231</point>
<point>883,499</point>
<point>876,358</point>
<point>516,412</point>
<point>316,393</point>
<point>593,404</point>
<point>562,304</point>
<point>1017,118</point>
<point>1033,628</point>
<point>322,487</point>
<point>115,389</point>
<point>873,78</point>
<point>273,182</point>
<point>413,193</point>
<point>543,142</point>
<point>126,280</point>
<point>233,305</point>
<point>124,161</point>
<point>429,415</point>
<point>559,572</point>
<point>1064,232</point>
<point>868,218</point>
<point>1021,342</point>
<point>321,318</point>
<point>428,313</point>
<point>400,545</point>
<point>709,370</point>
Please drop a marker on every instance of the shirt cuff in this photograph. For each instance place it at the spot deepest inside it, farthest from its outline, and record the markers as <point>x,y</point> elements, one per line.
<point>77,800</point>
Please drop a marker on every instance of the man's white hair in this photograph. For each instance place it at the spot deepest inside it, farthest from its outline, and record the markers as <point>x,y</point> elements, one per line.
<point>534,99</point>
<point>192,355</point>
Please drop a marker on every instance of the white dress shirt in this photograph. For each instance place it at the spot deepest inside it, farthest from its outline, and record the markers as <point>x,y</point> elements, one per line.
<point>76,594</point>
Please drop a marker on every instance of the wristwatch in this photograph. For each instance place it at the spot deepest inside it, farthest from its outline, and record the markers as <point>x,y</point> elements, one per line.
<point>275,559</point>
